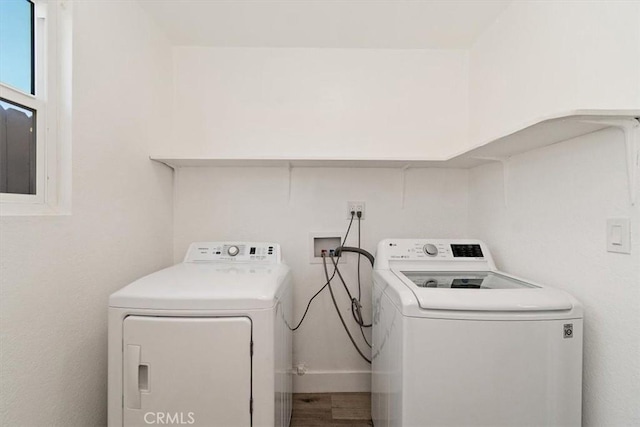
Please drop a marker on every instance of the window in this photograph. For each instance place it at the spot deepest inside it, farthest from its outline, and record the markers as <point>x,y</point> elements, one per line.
<point>17,148</point>
<point>31,76</point>
<point>17,42</point>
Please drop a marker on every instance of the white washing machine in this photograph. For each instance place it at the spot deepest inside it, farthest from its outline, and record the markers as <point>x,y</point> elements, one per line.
<point>205,342</point>
<point>458,343</point>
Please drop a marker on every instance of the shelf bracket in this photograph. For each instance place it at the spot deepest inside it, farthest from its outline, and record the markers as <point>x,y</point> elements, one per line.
<point>289,169</point>
<point>630,127</point>
<point>504,161</point>
<point>403,194</point>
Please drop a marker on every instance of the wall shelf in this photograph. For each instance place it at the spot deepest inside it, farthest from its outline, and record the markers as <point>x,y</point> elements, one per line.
<point>529,136</point>
<point>177,162</point>
<point>539,133</point>
<point>547,131</point>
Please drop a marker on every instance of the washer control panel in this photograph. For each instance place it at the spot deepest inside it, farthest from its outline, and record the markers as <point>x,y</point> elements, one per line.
<point>234,252</point>
<point>431,250</point>
<point>418,250</point>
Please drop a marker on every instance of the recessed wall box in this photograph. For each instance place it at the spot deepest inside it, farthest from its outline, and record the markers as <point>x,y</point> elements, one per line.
<point>319,241</point>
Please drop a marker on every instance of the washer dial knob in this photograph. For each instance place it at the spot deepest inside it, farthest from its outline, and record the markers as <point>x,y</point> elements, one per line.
<point>430,249</point>
<point>233,250</point>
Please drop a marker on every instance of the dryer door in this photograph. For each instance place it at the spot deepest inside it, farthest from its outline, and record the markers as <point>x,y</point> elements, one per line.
<point>187,370</point>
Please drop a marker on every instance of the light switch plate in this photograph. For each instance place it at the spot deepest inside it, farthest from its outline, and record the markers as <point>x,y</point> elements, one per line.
<point>618,235</point>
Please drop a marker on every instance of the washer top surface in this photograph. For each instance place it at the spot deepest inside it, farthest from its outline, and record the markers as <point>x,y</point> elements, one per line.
<point>207,280</point>
<point>457,277</point>
<point>481,291</point>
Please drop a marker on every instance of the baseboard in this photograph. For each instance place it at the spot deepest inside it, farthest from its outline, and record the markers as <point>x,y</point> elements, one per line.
<point>332,382</point>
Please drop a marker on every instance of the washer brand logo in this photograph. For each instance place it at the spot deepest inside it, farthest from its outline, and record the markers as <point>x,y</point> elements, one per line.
<point>169,418</point>
<point>568,330</point>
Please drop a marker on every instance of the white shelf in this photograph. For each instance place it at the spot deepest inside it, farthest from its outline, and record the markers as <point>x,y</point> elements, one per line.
<point>295,162</point>
<point>539,133</point>
<point>546,131</point>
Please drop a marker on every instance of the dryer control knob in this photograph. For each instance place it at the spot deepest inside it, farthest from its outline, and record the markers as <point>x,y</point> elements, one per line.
<point>430,249</point>
<point>233,250</point>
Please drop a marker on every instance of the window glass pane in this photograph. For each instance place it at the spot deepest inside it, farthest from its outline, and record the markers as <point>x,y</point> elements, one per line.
<point>17,45</point>
<point>17,148</point>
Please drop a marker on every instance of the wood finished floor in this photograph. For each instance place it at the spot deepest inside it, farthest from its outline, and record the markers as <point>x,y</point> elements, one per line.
<point>331,409</point>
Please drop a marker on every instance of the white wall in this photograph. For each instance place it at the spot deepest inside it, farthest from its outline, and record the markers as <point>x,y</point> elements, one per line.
<point>252,204</point>
<point>356,103</point>
<point>56,272</point>
<point>553,231</point>
<point>546,57</point>
<point>537,59</point>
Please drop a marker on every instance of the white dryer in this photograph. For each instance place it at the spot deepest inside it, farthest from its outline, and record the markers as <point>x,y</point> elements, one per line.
<point>458,343</point>
<point>205,342</point>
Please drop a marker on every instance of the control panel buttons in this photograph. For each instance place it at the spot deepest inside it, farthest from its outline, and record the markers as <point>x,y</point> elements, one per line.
<point>236,252</point>
<point>430,249</point>
<point>467,251</point>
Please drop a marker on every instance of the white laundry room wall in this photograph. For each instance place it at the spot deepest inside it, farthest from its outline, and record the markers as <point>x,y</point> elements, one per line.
<point>552,229</point>
<point>56,272</point>
<point>230,203</point>
<point>537,59</point>
<point>318,103</point>
<point>546,57</point>
<point>326,103</point>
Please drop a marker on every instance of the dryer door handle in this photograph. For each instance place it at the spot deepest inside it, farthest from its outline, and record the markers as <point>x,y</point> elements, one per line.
<point>131,377</point>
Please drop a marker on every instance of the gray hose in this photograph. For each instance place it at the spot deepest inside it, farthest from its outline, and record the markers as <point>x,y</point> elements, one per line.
<point>335,304</point>
<point>360,251</point>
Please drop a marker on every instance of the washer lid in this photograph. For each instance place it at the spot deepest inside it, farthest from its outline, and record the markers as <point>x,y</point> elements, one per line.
<point>205,286</point>
<point>481,291</point>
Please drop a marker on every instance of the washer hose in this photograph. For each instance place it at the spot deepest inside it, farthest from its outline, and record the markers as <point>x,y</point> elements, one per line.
<point>337,252</point>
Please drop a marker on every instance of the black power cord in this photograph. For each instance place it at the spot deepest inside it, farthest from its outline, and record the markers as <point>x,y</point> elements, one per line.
<point>335,304</point>
<point>356,307</point>
<point>346,234</point>
<point>355,303</point>
<point>359,305</point>
<point>359,247</point>
<point>346,288</point>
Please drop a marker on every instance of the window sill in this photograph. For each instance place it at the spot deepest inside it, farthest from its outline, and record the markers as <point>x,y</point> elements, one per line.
<point>32,209</point>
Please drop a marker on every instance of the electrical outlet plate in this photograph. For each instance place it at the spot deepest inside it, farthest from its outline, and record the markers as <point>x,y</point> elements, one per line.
<point>301,369</point>
<point>355,207</point>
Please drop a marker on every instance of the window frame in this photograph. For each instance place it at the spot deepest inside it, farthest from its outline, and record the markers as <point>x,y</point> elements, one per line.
<point>31,102</point>
<point>52,103</point>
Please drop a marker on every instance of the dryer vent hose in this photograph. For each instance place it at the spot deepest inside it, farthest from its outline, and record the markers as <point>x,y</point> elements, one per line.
<point>338,251</point>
